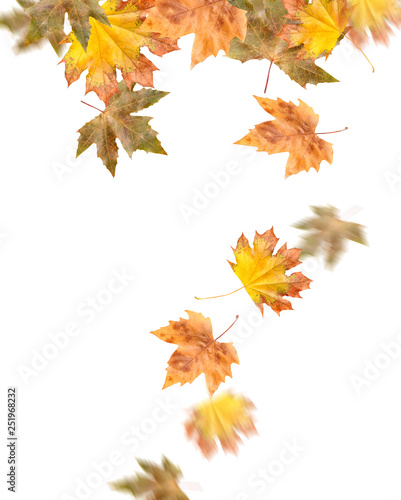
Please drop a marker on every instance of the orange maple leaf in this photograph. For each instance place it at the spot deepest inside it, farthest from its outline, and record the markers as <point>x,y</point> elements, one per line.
<point>214,22</point>
<point>293,131</point>
<point>198,352</point>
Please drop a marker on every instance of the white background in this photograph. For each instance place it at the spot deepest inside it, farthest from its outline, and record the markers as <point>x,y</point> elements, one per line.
<point>62,239</point>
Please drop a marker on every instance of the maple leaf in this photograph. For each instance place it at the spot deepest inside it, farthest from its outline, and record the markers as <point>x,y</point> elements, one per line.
<point>375,17</point>
<point>214,22</point>
<point>263,274</point>
<point>17,22</point>
<point>319,25</point>
<point>154,483</point>
<point>326,234</point>
<point>197,353</point>
<point>48,17</point>
<point>116,121</point>
<point>262,42</point>
<point>293,131</point>
<point>116,47</point>
<point>221,420</point>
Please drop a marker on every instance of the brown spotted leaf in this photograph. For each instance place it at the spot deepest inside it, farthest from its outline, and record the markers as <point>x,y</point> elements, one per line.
<point>198,352</point>
<point>222,419</point>
<point>214,22</point>
<point>293,131</point>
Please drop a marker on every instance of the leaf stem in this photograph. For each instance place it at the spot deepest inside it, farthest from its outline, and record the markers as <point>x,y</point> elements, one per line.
<point>334,132</point>
<point>94,107</point>
<point>360,50</point>
<point>310,133</point>
<point>268,75</point>
<point>225,331</point>
<point>218,296</point>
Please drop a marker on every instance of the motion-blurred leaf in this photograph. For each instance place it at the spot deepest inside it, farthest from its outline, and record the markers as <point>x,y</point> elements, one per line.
<point>18,21</point>
<point>221,419</point>
<point>326,234</point>
<point>154,483</point>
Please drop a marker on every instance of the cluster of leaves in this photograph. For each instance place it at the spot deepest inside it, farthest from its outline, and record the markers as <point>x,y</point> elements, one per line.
<point>263,275</point>
<point>291,34</point>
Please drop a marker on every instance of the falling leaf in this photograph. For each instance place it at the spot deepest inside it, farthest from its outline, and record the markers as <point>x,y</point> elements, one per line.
<point>221,419</point>
<point>326,234</point>
<point>116,121</point>
<point>262,42</point>
<point>48,17</point>
<point>18,21</point>
<point>293,131</point>
<point>154,483</point>
<point>263,274</point>
<point>197,353</point>
<point>319,25</point>
<point>375,17</point>
<point>117,46</point>
<point>214,22</point>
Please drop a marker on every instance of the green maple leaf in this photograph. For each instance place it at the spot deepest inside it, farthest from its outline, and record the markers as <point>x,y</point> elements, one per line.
<point>17,22</point>
<point>262,42</point>
<point>326,234</point>
<point>47,17</point>
<point>158,482</point>
<point>116,121</point>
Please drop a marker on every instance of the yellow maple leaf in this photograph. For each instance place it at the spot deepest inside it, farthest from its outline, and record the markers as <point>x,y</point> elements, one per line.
<point>376,17</point>
<point>214,22</point>
<point>263,274</point>
<point>221,420</point>
<point>117,46</point>
<point>197,352</point>
<point>318,27</point>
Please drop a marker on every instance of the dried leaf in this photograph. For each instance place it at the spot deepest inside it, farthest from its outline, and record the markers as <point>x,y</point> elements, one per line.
<point>263,274</point>
<point>214,22</point>
<point>292,131</point>
<point>262,42</point>
<point>116,121</point>
<point>197,353</point>
<point>116,47</point>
